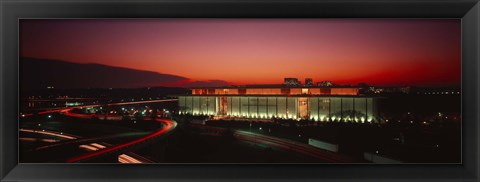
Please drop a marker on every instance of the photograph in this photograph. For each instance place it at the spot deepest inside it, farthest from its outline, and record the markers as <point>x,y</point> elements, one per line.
<point>240,91</point>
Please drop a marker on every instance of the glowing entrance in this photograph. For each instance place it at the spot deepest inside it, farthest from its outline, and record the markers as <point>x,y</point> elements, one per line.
<point>303,107</point>
<point>223,106</point>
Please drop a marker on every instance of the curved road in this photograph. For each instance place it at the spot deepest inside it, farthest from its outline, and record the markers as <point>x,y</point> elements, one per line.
<point>281,143</point>
<point>293,146</point>
<point>169,126</point>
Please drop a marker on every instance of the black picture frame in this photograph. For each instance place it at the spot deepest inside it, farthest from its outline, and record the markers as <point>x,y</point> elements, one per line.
<point>12,11</point>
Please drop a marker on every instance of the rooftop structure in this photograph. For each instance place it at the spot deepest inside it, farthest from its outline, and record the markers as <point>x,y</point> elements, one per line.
<point>308,82</point>
<point>291,82</point>
<point>325,84</point>
<point>286,91</point>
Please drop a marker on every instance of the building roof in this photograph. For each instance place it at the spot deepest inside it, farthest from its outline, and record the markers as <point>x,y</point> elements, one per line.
<point>265,95</point>
<point>273,86</point>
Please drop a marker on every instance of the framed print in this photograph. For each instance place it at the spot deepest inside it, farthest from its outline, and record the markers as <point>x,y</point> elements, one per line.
<point>239,91</point>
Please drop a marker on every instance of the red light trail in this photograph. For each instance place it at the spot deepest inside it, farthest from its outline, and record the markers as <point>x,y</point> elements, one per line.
<point>169,125</point>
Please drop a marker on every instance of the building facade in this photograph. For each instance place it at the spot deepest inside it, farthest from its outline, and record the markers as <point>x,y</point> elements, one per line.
<point>319,104</point>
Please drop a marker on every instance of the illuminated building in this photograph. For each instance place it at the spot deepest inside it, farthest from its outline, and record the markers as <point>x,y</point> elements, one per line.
<point>316,103</point>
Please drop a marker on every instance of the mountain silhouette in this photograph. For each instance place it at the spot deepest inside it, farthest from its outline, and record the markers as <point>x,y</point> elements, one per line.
<point>42,73</point>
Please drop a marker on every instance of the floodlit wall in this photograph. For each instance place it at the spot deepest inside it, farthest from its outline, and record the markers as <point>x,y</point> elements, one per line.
<point>272,109</point>
<point>252,105</point>
<point>188,104</point>
<point>198,105</point>
<point>371,110</point>
<point>352,109</point>
<point>235,106</point>
<point>244,106</point>
<point>282,107</point>
<point>313,107</point>
<point>323,109</point>
<point>292,107</point>
<point>181,104</point>
<point>335,109</point>
<point>262,107</point>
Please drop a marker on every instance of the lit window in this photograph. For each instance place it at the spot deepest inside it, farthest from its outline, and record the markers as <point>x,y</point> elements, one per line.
<point>304,90</point>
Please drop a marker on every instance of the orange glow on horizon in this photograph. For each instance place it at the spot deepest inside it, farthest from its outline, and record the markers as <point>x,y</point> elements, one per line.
<point>261,51</point>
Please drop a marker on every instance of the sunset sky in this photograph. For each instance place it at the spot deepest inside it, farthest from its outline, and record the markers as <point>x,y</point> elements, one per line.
<point>259,51</point>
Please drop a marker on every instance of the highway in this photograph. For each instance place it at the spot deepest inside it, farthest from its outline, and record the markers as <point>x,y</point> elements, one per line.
<point>92,139</point>
<point>168,126</point>
<point>292,146</point>
<point>284,144</point>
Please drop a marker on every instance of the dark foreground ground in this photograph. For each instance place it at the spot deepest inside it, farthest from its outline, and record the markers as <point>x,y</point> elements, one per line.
<point>184,145</point>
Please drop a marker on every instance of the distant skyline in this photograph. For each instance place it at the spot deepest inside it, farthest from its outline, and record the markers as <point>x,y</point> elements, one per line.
<point>418,52</point>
